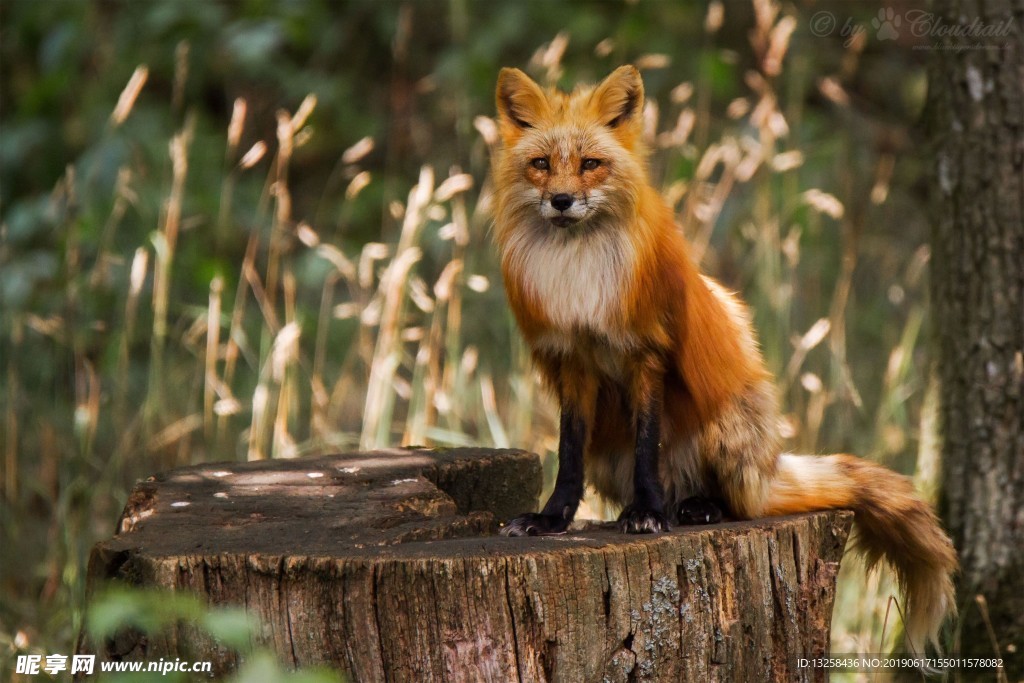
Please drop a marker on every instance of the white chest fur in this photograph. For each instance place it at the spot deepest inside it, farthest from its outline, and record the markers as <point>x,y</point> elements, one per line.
<point>579,280</point>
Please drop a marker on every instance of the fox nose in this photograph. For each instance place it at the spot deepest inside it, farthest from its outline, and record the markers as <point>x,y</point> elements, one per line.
<point>562,201</point>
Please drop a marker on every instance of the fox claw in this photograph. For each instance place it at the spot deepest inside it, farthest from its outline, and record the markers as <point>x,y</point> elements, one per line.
<point>639,520</point>
<point>536,524</point>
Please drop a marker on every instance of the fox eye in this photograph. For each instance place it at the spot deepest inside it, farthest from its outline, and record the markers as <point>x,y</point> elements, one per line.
<point>591,164</point>
<point>540,163</point>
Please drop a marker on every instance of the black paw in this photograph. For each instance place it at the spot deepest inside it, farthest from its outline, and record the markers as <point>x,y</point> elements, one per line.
<point>699,510</point>
<point>642,520</point>
<point>536,524</point>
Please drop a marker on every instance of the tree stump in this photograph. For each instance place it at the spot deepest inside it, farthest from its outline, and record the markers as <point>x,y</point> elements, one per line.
<point>387,565</point>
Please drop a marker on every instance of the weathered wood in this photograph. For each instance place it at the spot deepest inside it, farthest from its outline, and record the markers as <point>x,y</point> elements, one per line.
<point>386,565</point>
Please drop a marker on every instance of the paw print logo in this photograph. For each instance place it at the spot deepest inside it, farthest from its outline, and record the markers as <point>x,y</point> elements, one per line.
<point>886,23</point>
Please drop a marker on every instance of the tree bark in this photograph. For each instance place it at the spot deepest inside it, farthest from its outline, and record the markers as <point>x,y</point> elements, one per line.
<point>387,566</point>
<point>976,119</point>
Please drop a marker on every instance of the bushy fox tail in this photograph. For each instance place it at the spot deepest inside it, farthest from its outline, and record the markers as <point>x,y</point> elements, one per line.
<point>891,523</point>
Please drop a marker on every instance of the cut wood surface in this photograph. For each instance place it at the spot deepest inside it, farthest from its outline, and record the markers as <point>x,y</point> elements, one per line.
<point>387,565</point>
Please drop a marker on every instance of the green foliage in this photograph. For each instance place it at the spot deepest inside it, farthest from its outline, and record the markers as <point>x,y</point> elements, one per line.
<point>263,667</point>
<point>151,612</point>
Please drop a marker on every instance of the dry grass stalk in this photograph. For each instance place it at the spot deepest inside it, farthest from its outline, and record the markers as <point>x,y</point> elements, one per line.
<point>212,352</point>
<point>164,243</point>
<point>128,96</point>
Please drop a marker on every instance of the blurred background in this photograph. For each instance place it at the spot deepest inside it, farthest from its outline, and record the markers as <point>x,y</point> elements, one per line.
<point>259,229</point>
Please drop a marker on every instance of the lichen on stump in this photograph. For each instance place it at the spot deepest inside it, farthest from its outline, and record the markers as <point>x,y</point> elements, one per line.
<point>387,565</point>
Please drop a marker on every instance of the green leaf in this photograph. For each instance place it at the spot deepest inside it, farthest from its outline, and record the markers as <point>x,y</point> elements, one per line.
<point>232,626</point>
<point>263,667</point>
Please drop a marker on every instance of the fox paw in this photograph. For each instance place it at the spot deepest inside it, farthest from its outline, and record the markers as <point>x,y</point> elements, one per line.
<point>642,520</point>
<point>536,524</point>
<point>699,510</point>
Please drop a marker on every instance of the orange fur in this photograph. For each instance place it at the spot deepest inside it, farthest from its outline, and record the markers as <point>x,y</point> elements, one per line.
<point>617,315</point>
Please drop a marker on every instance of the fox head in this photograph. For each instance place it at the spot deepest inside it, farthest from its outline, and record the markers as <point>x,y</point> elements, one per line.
<point>570,158</point>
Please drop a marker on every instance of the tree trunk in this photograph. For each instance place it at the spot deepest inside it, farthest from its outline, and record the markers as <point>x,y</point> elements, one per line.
<point>976,119</point>
<point>386,565</point>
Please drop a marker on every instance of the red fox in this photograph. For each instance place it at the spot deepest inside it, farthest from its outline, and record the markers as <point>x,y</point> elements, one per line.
<point>666,405</point>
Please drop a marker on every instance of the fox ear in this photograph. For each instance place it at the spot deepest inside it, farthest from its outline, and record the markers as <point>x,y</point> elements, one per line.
<point>619,98</point>
<point>521,102</point>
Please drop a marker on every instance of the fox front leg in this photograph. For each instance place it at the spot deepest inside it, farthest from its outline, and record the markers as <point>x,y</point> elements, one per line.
<point>646,513</point>
<point>561,507</point>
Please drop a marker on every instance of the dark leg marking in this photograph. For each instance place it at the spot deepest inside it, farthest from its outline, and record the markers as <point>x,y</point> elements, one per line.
<point>561,507</point>
<point>646,514</point>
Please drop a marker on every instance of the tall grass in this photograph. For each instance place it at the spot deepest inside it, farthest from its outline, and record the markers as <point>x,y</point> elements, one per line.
<point>312,347</point>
